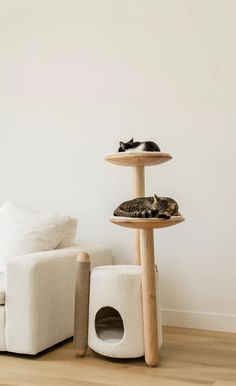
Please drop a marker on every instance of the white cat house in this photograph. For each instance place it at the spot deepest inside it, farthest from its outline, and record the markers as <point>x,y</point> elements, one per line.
<point>115,312</point>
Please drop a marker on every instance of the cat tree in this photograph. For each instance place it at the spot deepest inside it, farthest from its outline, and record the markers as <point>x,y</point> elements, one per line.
<point>144,242</point>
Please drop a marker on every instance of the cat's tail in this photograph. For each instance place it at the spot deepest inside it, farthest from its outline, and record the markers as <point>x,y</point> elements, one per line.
<point>118,212</point>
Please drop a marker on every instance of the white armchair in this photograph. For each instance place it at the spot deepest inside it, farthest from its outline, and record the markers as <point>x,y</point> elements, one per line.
<point>38,309</point>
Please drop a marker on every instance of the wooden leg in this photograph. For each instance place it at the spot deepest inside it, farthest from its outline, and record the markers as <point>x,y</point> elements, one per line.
<point>137,247</point>
<point>138,191</point>
<point>82,288</point>
<point>149,298</point>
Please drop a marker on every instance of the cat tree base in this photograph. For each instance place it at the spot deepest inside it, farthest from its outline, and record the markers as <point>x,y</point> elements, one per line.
<point>146,227</point>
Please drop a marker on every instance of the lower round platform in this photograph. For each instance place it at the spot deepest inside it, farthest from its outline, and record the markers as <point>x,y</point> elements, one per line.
<point>145,223</point>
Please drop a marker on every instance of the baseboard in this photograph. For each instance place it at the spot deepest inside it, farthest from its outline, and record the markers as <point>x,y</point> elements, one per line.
<point>199,320</point>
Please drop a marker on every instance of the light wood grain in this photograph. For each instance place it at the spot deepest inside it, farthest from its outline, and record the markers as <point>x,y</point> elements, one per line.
<point>149,298</point>
<point>188,358</point>
<point>82,287</point>
<point>145,223</point>
<point>137,247</point>
<point>83,257</point>
<point>145,158</point>
<point>138,191</point>
<point>138,181</point>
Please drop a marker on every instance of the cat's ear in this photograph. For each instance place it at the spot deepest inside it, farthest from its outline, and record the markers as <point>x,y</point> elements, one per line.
<point>155,198</point>
<point>122,144</point>
<point>131,140</point>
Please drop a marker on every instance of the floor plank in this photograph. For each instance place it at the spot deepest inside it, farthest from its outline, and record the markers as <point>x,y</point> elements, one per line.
<point>188,358</point>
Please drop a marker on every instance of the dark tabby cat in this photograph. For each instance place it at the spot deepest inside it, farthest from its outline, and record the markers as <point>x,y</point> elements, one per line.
<point>161,207</point>
<point>132,146</point>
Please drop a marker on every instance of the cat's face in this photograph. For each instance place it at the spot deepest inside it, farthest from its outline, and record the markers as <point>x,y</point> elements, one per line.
<point>157,204</point>
<point>164,207</point>
<point>126,145</point>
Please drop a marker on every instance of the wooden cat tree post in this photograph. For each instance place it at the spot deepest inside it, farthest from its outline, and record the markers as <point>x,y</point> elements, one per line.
<point>138,191</point>
<point>144,243</point>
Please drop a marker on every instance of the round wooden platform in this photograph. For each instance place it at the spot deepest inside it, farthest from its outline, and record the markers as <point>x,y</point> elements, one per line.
<point>144,158</point>
<point>145,223</point>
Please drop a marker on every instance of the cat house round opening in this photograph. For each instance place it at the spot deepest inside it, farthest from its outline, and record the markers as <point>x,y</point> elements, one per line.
<point>109,325</point>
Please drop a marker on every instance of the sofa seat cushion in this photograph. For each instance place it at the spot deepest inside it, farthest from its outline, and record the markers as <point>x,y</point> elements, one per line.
<point>2,288</point>
<point>24,231</point>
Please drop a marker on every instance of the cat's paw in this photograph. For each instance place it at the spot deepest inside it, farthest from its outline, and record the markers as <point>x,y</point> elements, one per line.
<point>166,216</point>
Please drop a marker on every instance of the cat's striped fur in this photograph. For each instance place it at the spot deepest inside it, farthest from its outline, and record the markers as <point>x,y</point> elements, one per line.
<point>161,207</point>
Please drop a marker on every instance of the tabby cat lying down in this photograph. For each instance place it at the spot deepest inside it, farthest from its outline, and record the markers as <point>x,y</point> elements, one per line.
<point>159,207</point>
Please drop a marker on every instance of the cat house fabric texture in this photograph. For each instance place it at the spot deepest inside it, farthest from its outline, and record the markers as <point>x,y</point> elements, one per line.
<point>24,231</point>
<point>119,288</point>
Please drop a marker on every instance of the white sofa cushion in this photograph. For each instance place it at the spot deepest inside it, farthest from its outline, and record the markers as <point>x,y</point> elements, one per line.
<point>2,288</point>
<point>69,235</point>
<point>24,231</point>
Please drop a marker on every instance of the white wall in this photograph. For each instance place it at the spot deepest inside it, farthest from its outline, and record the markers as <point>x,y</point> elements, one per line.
<point>78,76</point>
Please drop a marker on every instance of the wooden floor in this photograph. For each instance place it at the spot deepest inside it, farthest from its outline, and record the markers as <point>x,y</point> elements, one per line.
<point>188,358</point>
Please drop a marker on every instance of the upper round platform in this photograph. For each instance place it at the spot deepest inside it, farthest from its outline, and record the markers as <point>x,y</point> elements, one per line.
<point>145,223</point>
<point>144,158</point>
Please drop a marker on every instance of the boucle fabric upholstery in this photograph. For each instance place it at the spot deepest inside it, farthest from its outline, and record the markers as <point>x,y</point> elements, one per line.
<point>24,231</point>
<point>120,288</point>
<point>40,289</point>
